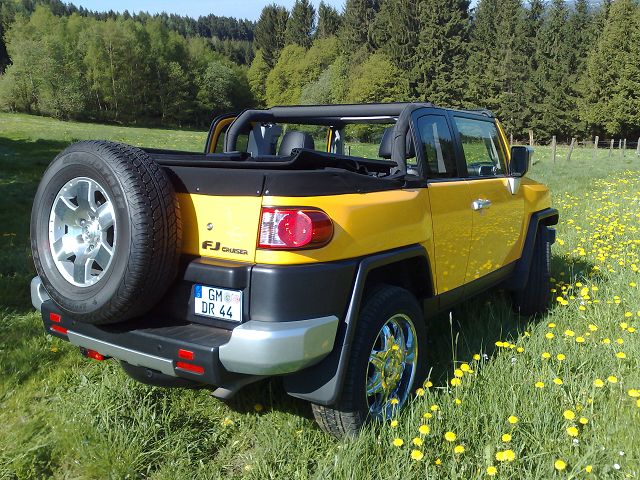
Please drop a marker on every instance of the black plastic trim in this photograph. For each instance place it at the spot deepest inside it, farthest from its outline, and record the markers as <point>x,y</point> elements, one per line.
<point>548,216</point>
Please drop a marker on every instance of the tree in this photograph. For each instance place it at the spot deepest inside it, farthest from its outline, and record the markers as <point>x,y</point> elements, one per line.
<point>356,31</point>
<point>438,71</point>
<point>301,24</point>
<point>270,32</point>
<point>377,80</point>
<point>257,76</point>
<point>612,98</point>
<point>328,21</point>
<point>396,31</point>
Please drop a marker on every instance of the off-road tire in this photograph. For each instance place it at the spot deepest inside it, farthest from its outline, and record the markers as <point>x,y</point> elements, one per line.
<point>146,254</point>
<point>350,414</point>
<point>533,298</point>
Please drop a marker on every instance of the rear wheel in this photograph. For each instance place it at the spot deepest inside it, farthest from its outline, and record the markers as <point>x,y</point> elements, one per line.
<point>533,298</point>
<point>386,361</point>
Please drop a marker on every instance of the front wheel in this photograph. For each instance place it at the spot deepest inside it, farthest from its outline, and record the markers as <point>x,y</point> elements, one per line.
<point>387,359</point>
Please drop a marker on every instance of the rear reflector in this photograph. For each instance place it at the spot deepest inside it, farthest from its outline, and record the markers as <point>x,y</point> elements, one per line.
<point>290,229</point>
<point>190,368</point>
<point>55,317</point>
<point>58,329</point>
<point>186,354</point>
<point>95,355</point>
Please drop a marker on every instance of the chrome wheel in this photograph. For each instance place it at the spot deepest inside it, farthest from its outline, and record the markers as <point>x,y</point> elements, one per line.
<point>82,231</point>
<point>392,366</point>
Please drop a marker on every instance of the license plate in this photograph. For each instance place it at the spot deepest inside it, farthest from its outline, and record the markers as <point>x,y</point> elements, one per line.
<point>218,303</point>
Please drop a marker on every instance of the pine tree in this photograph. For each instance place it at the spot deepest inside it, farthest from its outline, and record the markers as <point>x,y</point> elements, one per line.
<point>557,114</point>
<point>328,21</point>
<point>396,31</point>
<point>301,24</point>
<point>438,72</point>
<point>356,31</point>
<point>270,32</point>
<point>612,98</point>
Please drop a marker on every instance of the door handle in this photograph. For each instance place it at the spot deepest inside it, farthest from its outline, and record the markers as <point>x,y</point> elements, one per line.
<point>480,203</point>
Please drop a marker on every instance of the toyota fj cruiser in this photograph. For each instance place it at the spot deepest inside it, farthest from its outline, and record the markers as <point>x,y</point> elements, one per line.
<point>284,250</point>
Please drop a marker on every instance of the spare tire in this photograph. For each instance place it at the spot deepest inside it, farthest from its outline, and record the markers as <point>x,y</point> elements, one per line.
<point>105,232</point>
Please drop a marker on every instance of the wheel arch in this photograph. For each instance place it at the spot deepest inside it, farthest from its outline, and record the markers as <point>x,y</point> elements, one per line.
<point>322,383</point>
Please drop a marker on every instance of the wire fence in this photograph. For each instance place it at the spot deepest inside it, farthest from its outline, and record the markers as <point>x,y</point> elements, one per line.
<point>621,147</point>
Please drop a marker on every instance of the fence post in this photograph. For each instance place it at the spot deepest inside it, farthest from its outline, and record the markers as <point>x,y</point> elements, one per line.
<point>611,148</point>
<point>573,143</point>
<point>624,147</point>
<point>531,138</point>
<point>553,148</point>
<point>595,147</point>
<point>510,139</point>
<point>638,148</point>
<point>620,146</point>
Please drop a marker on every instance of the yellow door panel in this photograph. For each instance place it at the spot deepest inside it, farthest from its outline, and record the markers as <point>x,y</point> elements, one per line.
<point>233,225</point>
<point>451,219</point>
<point>496,228</point>
<point>363,224</point>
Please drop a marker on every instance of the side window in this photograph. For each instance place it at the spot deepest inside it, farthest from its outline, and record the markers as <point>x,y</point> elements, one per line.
<point>437,146</point>
<point>482,148</point>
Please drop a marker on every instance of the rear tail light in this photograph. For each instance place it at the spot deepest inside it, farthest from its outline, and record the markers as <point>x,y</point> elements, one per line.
<point>293,228</point>
<point>58,329</point>
<point>189,367</point>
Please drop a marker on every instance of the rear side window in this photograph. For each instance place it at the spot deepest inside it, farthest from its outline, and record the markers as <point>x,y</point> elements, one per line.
<point>483,151</point>
<point>437,146</point>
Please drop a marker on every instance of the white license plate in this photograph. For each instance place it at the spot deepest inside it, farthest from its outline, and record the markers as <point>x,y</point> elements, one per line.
<point>219,303</point>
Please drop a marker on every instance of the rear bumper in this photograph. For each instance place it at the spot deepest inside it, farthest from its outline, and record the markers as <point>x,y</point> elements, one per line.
<point>220,355</point>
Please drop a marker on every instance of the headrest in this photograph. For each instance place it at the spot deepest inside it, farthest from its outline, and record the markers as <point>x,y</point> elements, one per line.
<point>387,143</point>
<point>293,139</point>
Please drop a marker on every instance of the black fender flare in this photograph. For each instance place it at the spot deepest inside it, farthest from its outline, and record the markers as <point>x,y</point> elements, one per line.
<point>322,382</point>
<point>548,216</point>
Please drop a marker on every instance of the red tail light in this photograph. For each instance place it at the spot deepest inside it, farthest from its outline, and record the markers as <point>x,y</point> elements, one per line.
<point>293,228</point>
<point>58,329</point>
<point>190,367</point>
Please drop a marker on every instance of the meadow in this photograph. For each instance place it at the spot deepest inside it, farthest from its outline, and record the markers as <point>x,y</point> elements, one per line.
<point>556,396</point>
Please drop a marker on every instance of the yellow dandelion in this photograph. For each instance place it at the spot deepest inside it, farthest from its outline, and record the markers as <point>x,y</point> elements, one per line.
<point>619,341</point>
<point>583,420</point>
<point>456,382</point>
<point>465,367</point>
<point>394,401</point>
<point>428,384</point>
<point>560,357</point>
<point>491,471</point>
<point>434,408</point>
<point>612,379</point>
<point>539,385</point>
<point>424,429</point>
<point>438,461</point>
<point>598,383</point>
<point>416,455</point>
<point>458,449</point>
<point>546,355</point>
<point>549,335</point>
<point>394,423</point>
<point>552,325</point>
<point>572,431</point>
<point>580,339</point>
<point>457,401</point>
<point>458,373</point>
<point>398,442</point>
<point>558,381</point>
<point>560,465</point>
<point>420,392</point>
<point>621,355</point>
<point>588,469</point>
<point>592,327</point>
<point>569,333</point>
<point>476,357</point>
<point>628,314</point>
<point>427,415</point>
<point>633,393</point>
<point>569,414</point>
<point>506,438</point>
<point>606,341</point>
<point>417,442</point>
<point>513,419</point>
<point>450,437</point>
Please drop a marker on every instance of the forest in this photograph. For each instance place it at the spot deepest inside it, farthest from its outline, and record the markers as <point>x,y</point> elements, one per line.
<point>570,69</point>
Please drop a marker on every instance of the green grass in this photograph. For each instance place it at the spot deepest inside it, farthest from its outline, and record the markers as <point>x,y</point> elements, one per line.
<point>63,416</point>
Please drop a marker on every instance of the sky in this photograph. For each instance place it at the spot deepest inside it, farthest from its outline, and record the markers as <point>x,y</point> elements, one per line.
<point>249,9</point>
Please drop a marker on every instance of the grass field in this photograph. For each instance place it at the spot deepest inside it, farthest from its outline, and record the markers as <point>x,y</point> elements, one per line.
<point>554,397</point>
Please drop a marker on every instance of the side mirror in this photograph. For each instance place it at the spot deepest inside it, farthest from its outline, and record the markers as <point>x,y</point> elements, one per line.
<point>520,160</point>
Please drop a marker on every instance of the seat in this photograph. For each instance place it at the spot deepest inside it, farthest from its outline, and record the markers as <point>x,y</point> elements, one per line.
<point>387,143</point>
<point>294,139</point>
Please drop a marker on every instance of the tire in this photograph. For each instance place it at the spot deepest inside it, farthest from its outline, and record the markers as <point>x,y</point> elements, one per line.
<point>116,263</point>
<point>534,297</point>
<point>355,408</point>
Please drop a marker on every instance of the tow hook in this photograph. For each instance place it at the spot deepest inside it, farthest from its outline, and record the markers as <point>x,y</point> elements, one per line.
<point>88,353</point>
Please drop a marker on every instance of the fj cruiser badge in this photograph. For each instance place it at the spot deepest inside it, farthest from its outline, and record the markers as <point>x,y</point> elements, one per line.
<point>209,245</point>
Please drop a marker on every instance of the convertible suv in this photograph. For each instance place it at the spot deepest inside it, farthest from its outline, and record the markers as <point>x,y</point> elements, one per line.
<point>287,250</point>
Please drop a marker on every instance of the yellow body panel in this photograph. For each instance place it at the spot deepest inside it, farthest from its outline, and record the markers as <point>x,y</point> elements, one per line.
<point>363,224</point>
<point>234,222</point>
<point>451,218</point>
<point>497,230</point>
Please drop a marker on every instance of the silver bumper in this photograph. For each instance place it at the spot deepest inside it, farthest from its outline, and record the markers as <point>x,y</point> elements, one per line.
<point>38,293</point>
<point>270,348</point>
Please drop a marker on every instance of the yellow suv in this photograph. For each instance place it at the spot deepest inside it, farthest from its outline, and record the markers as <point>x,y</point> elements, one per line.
<point>286,249</point>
